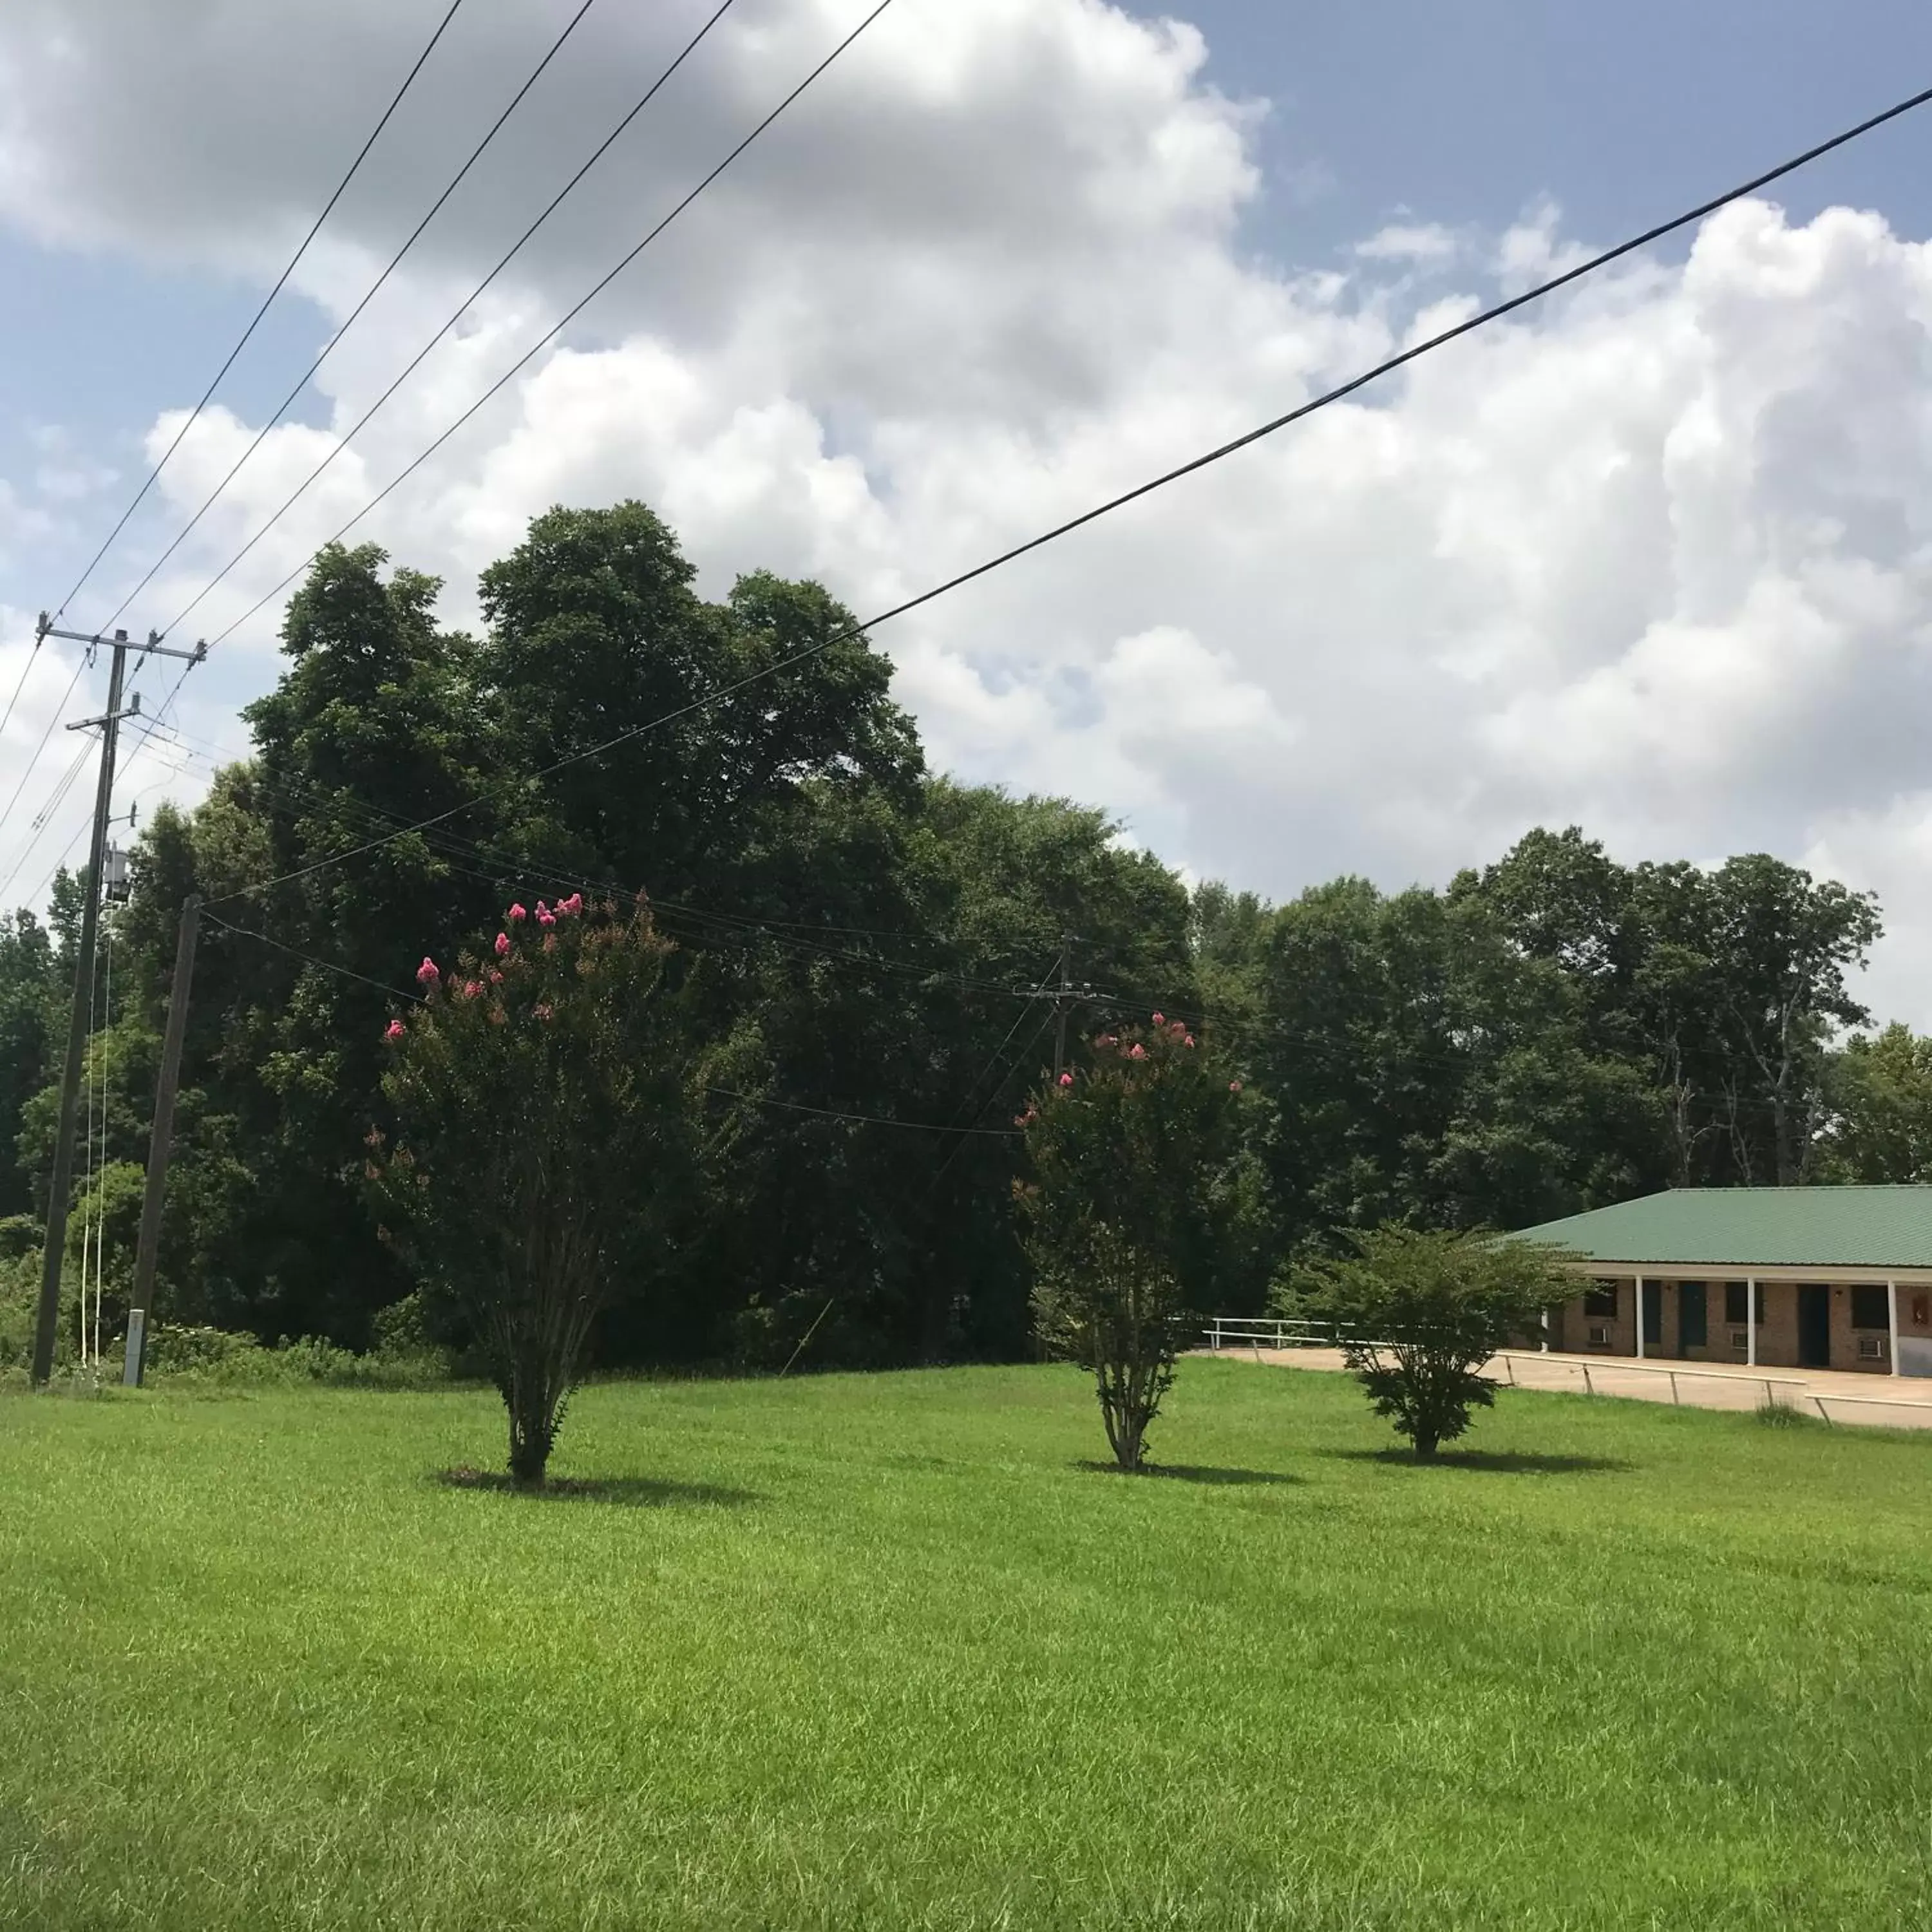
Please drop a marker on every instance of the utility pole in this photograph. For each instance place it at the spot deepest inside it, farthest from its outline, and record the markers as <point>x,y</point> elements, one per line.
<point>1066,997</point>
<point>62,1183</point>
<point>1061,1007</point>
<point>161,1143</point>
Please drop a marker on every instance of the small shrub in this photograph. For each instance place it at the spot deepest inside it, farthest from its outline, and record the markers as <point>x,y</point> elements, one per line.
<point>1776,1414</point>
<point>1420,1311</point>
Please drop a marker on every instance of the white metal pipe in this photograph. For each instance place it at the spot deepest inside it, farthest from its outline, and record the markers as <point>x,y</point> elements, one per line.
<point>1750,1323</point>
<point>1891,1324</point>
<point>1639,1318</point>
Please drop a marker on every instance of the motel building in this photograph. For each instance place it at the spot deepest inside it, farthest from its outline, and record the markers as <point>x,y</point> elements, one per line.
<point>1786,1277</point>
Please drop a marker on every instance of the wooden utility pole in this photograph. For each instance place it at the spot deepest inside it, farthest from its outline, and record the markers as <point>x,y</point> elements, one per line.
<point>1062,1006</point>
<point>61,1184</point>
<point>160,1143</point>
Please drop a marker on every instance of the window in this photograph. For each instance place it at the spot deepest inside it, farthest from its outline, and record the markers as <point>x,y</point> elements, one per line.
<point>1692,1332</point>
<point>1871,1348</point>
<point>1737,1302</point>
<point>1601,1300</point>
<point>1869,1309</point>
<point>1598,1336</point>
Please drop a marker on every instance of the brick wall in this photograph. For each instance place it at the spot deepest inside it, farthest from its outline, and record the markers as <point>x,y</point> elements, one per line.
<point>1777,1333</point>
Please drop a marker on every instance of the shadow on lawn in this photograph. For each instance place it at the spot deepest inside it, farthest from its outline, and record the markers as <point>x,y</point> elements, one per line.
<point>1182,1472</point>
<point>1497,1462</point>
<point>626,1491</point>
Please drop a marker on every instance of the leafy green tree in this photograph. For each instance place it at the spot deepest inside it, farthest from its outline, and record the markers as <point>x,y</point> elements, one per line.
<point>27,1046</point>
<point>542,1129</point>
<point>1879,1099</point>
<point>1126,1214</point>
<point>1419,1311</point>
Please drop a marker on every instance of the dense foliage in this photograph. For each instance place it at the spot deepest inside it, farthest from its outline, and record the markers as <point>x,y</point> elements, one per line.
<point>1418,1311</point>
<point>856,940</point>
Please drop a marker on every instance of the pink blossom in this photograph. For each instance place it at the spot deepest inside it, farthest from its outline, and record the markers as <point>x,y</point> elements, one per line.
<point>502,944</point>
<point>516,915</point>
<point>545,916</point>
<point>496,978</point>
<point>427,974</point>
<point>1139,1052</point>
<point>571,906</point>
<point>1160,1019</point>
<point>394,1030</point>
<point>1234,1086</point>
<point>543,1010</point>
<point>1067,1080</point>
<point>1189,1041</point>
<point>471,987</point>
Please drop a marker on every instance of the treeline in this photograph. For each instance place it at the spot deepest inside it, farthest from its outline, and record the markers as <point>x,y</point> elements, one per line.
<point>862,948</point>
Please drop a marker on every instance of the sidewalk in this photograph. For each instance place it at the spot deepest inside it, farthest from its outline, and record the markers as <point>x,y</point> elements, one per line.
<point>1838,1395</point>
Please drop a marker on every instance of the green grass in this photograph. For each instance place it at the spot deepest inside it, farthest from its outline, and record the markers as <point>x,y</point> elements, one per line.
<point>879,1652</point>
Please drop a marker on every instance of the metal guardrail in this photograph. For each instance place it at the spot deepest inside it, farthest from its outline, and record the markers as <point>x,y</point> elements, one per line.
<point>1245,1332</point>
<point>1256,1333</point>
<point>1618,1365</point>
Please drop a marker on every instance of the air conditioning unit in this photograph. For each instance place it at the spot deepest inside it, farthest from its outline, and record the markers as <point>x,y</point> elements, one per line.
<point>1597,1335</point>
<point>1871,1348</point>
<point>1741,1341</point>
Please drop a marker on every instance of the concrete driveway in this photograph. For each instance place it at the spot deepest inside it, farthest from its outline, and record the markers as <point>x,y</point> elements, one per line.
<point>1837,1395</point>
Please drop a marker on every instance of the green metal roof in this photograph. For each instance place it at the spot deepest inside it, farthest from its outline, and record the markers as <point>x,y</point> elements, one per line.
<point>1738,1228</point>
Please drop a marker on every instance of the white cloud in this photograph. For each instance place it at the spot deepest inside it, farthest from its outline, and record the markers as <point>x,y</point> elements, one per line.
<point>1658,557</point>
<point>1427,244</point>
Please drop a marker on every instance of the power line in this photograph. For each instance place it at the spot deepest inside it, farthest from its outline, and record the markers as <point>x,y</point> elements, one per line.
<point>328,348</point>
<point>416,361</point>
<point>866,1120</point>
<point>327,965</point>
<point>53,718</point>
<point>341,186</point>
<point>1495,313</point>
<point>26,670</point>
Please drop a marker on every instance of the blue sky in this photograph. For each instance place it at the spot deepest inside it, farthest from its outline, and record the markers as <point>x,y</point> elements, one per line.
<point>1655,559</point>
<point>1461,114</point>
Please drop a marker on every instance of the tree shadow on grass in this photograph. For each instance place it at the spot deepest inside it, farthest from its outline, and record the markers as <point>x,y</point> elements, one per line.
<point>1496,1462</point>
<point>1181,1472</point>
<point>626,1492</point>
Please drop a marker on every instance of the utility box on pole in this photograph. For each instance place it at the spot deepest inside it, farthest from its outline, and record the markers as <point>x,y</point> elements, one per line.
<point>47,1325</point>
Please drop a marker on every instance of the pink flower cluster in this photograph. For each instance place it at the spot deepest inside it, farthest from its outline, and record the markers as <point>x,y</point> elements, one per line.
<point>429,974</point>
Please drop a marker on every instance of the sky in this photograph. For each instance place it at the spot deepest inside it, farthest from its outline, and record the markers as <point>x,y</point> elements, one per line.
<point>1654,557</point>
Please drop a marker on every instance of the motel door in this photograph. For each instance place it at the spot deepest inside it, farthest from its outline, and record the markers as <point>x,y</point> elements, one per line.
<point>1814,1325</point>
<point>1653,1318</point>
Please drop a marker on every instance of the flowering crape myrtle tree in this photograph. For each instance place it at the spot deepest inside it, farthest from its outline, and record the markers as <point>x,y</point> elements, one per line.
<point>1127,1215</point>
<point>541,1130</point>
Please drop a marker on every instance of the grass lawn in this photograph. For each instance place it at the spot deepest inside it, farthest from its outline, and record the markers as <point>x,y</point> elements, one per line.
<point>850,1651</point>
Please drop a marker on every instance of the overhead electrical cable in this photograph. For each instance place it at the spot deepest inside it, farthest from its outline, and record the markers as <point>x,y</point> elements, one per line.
<point>462,310</point>
<point>866,1119</point>
<point>1496,312</point>
<point>53,718</point>
<point>26,671</point>
<point>309,374</point>
<point>329,209</point>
